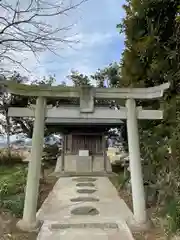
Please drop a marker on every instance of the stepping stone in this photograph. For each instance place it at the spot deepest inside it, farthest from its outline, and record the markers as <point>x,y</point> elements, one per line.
<point>85,184</point>
<point>90,191</point>
<point>86,210</point>
<point>84,199</point>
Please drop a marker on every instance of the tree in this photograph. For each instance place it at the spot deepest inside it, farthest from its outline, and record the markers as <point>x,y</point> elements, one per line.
<point>108,77</point>
<point>33,26</point>
<point>17,125</point>
<point>151,57</point>
<point>6,100</point>
<point>78,79</point>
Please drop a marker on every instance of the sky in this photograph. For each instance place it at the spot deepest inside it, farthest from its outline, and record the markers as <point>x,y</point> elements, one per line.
<point>100,43</point>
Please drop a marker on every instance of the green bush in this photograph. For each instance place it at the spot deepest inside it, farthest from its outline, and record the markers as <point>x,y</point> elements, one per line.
<point>119,180</point>
<point>7,158</point>
<point>12,184</point>
<point>15,204</point>
<point>50,154</point>
<point>171,212</point>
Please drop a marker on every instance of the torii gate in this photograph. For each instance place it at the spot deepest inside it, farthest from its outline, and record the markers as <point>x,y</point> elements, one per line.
<point>130,112</point>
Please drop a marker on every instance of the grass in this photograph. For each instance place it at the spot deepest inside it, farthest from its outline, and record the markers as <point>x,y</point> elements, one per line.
<point>171,213</point>
<point>12,185</point>
<point>12,188</point>
<point>13,173</point>
<point>119,180</point>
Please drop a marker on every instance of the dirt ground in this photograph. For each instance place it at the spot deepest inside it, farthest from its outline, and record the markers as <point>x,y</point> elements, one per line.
<point>156,232</point>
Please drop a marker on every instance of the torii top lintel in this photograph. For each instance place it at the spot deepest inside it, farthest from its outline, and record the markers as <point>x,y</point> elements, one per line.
<point>75,92</point>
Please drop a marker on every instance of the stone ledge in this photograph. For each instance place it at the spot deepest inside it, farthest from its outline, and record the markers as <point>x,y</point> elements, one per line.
<point>84,225</point>
<point>74,174</point>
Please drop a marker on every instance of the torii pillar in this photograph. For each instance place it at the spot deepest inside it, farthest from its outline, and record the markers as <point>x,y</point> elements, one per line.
<point>138,194</point>
<point>29,222</point>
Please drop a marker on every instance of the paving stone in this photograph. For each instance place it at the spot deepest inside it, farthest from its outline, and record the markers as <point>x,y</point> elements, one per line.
<point>84,199</point>
<point>85,210</point>
<point>85,190</point>
<point>85,184</point>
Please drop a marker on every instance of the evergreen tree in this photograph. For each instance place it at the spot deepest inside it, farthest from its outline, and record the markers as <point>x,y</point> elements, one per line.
<point>152,57</point>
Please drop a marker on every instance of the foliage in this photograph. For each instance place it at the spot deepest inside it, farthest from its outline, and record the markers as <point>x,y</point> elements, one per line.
<point>14,204</point>
<point>119,180</point>
<point>7,100</point>
<point>108,77</point>
<point>151,57</point>
<point>19,124</point>
<point>11,125</point>
<point>50,153</point>
<point>12,160</point>
<point>171,212</point>
<point>79,79</point>
<point>12,184</point>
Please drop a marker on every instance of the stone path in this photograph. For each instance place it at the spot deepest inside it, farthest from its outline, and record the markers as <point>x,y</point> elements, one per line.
<point>84,208</point>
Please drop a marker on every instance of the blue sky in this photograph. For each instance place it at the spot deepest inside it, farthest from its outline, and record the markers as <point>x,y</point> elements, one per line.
<point>100,43</point>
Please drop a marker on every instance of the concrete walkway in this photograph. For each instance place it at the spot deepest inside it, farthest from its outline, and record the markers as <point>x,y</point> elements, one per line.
<point>84,208</point>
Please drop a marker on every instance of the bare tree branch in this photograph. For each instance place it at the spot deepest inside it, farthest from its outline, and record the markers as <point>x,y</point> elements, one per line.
<point>34,26</point>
